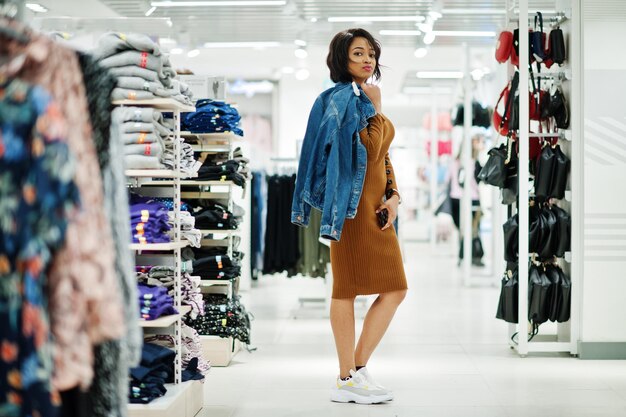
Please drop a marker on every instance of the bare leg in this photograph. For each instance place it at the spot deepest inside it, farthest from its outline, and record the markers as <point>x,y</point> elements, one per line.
<point>342,322</point>
<point>376,323</point>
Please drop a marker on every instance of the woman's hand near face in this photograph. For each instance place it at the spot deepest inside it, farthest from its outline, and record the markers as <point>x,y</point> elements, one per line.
<point>373,93</point>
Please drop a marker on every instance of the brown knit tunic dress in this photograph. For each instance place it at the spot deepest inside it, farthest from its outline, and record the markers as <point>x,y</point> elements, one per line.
<point>367,260</point>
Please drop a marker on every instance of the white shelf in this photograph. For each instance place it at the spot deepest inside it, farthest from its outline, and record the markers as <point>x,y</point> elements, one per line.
<point>218,231</point>
<point>215,282</point>
<point>210,148</point>
<point>204,195</point>
<point>155,173</point>
<point>158,103</point>
<point>159,246</point>
<point>165,321</point>
<point>190,182</point>
<point>223,136</point>
<point>180,400</point>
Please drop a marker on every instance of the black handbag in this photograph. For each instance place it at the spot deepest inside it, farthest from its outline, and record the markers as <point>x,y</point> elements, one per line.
<point>565,288</point>
<point>538,39</point>
<point>494,171</point>
<point>535,229</point>
<point>560,173</point>
<point>544,172</point>
<point>511,184</point>
<point>564,228</point>
<point>558,108</point>
<point>508,302</point>
<point>557,46</point>
<point>554,293</point>
<point>511,242</point>
<point>477,249</point>
<point>549,235</point>
<point>538,287</point>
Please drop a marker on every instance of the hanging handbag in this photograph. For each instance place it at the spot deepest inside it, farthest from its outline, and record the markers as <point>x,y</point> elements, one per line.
<point>554,293</point>
<point>560,174</point>
<point>564,230</point>
<point>549,235</point>
<point>515,50</point>
<point>477,249</point>
<point>494,171</point>
<point>544,172</point>
<point>535,229</point>
<point>565,296</point>
<point>538,287</point>
<point>501,121</point>
<point>511,184</point>
<point>538,39</point>
<point>558,108</point>
<point>504,46</point>
<point>557,46</point>
<point>509,293</point>
<point>511,239</point>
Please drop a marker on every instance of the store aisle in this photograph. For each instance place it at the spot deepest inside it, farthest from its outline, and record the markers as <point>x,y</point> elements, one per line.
<point>445,355</point>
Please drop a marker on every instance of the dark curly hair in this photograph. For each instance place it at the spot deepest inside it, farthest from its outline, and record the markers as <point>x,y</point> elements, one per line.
<point>337,59</point>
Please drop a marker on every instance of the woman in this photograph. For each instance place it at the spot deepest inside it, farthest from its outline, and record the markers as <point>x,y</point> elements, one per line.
<point>367,259</point>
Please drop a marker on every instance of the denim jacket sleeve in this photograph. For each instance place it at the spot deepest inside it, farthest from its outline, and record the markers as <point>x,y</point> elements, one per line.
<point>300,209</point>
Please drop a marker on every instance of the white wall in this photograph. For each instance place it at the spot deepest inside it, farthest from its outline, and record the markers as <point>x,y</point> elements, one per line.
<point>604,286</point>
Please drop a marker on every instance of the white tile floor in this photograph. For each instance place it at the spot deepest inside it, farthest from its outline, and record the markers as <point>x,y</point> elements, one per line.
<point>444,355</point>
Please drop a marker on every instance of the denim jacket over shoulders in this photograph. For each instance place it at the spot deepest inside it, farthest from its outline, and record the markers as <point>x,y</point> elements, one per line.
<point>333,160</point>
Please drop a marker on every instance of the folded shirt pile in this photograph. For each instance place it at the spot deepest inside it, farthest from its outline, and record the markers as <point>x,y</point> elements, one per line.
<point>142,70</point>
<point>147,381</point>
<point>149,223</point>
<point>154,302</point>
<point>223,317</point>
<point>164,276</point>
<point>194,364</point>
<point>212,117</point>
<point>214,216</point>
<point>214,263</point>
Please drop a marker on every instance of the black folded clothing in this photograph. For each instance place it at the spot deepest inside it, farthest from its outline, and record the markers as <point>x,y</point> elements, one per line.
<point>223,317</point>
<point>214,218</point>
<point>156,368</point>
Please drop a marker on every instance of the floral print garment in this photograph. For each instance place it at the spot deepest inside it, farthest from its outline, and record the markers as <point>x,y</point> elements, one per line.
<point>37,197</point>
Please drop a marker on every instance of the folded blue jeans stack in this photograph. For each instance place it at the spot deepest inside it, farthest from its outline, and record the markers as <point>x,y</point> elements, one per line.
<point>212,117</point>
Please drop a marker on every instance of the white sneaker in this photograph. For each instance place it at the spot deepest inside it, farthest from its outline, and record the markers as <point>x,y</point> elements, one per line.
<point>368,377</point>
<point>358,390</point>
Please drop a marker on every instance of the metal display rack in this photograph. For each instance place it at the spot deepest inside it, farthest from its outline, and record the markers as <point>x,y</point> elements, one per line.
<point>565,337</point>
<point>179,399</point>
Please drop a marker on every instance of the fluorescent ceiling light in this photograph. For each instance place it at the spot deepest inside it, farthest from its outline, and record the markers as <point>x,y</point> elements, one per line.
<point>435,14</point>
<point>313,19</point>
<point>476,11</point>
<point>439,74</point>
<point>218,3</point>
<point>241,44</point>
<point>176,51</point>
<point>357,19</point>
<point>300,42</point>
<point>429,38</point>
<point>425,27</point>
<point>150,11</point>
<point>400,32</point>
<point>193,53</point>
<point>426,90</point>
<point>36,7</point>
<point>421,52</point>
<point>464,33</point>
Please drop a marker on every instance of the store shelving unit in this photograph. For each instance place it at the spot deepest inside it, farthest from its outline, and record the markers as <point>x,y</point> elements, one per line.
<point>180,398</point>
<point>565,338</point>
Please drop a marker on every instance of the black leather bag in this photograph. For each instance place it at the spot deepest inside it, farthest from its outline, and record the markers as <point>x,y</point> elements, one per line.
<point>535,230</point>
<point>558,108</point>
<point>564,227</point>
<point>494,171</point>
<point>544,172</point>
<point>554,292</point>
<point>538,288</point>
<point>508,302</point>
<point>560,173</point>
<point>511,185</point>
<point>538,40</point>
<point>549,235</point>
<point>557,46</point>
<point>511,239</point>
<point>564,309</point>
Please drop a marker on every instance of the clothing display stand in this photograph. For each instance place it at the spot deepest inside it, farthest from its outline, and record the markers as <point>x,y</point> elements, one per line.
<point>220,351</point>
<point>180,397</point>
<point>565,338</point>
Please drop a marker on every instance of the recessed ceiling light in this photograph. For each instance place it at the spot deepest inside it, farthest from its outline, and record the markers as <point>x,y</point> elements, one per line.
<point>313,19</point>
<point>176,51</point>
<point>435,14</point>
<point>150,11</point>
<point>218,3</point>
<point>193,53</point>
<point>287,70</point>
<point>302,74</point>
<point>36,7</point>
<point>391,32</point>
<point>300,42</point>
<point>429,38</point>
<point>241,44</point>
<point>439,74</point>
<point>301,53</point>
<point>465,33</point>
<point>421,52</point>
<point>357,19</point>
